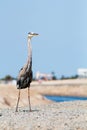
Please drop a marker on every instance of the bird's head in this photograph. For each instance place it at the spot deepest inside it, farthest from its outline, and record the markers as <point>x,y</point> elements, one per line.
<point>32,34</point>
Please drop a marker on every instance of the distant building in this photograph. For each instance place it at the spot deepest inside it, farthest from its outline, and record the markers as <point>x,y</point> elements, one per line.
<point>82,73</point>
<point>43,76</point>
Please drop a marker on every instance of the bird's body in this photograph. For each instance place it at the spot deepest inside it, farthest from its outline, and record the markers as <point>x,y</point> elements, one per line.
<point>25,74</point>
<point>25,77</point>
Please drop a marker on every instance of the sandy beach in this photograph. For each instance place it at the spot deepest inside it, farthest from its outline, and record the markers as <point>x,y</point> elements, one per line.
<point>46,114</point>
<point>55,116</point>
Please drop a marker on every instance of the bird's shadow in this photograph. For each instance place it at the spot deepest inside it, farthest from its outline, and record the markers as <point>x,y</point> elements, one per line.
<point>26,110</point>
<point>30,111</point>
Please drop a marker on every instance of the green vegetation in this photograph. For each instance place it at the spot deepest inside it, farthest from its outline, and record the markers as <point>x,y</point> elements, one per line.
<point>70,77</point>
<point>8,78</point>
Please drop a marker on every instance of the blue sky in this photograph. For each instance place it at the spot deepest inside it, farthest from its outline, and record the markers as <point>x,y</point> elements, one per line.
<point>62,44</point>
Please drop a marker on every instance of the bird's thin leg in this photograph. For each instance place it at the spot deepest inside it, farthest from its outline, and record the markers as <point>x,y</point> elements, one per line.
<point>29,99</point>
<point>18,101</point>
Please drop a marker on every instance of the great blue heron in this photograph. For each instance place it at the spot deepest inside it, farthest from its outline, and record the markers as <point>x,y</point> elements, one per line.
<point>25,74</point>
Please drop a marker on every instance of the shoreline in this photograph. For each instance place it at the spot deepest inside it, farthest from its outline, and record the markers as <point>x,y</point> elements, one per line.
<point>38,90</point>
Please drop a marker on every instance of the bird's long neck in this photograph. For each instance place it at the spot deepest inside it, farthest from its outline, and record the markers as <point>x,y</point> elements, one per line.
<point>29,52</point>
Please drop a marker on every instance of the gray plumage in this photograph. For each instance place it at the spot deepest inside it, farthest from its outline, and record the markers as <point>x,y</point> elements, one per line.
<point>25,74</point>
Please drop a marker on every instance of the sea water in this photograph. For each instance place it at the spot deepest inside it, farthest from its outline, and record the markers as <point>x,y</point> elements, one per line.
<point>64,98</point>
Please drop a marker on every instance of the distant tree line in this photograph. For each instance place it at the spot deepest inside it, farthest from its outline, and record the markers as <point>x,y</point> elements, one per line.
<point>69,77</point>
<point>8,78</point>
<point>54,77</point>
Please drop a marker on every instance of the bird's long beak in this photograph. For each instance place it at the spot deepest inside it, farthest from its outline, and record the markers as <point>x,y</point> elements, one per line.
<point>35,34</point>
